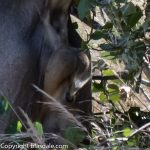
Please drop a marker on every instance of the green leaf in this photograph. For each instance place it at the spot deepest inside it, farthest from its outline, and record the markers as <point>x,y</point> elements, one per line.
<point>4,105</point>
<point>103,97</point>
<point>132,14</point>
<point>114,97</point>
<point>98,35</point>
<point>133,19</point>
<point>84,8</point>
<point>127,132</point>
<point>131,143</point>
<point>108,25</point>
<point>39,128</point>
<point>118,82</point>
<point>19,126</point>
<point>113,87</point>
<point>129,9</point>
<point>108,72</point>
<point>97,87</point>
<point>107,55</point>
<point>106,47</point>
<point>74,134</point>
<point>115,148</point>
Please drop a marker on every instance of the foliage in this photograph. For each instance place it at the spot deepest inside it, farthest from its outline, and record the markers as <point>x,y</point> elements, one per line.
<point>4,105</point>
<point>125,43</point>
<point>74,134</point>
<point>39,128</point>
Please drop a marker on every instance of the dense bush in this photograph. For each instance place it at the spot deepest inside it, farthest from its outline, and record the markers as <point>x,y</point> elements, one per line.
<point>126,46</point>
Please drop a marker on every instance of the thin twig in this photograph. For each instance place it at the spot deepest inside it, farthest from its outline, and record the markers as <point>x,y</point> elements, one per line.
<point>145,82</point>
<point>145,94</point>
<point>138,130</point>
<point>44,93</point>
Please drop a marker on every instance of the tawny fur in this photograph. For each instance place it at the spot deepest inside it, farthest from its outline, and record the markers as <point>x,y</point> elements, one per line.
<point>68,69</point>
<point>72,71</point>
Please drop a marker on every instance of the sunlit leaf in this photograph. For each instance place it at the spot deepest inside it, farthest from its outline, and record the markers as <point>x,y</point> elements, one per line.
<point>127,132</point>
<point>103,97</point>
<point>107,55</point>
<point>114,97</point>
<point>39,128</point>
<point>4,105</point>
<point>108,72</point>
<point>19,126</point>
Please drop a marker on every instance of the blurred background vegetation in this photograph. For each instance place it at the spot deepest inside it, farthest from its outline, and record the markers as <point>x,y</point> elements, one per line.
<point>119,42</point>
